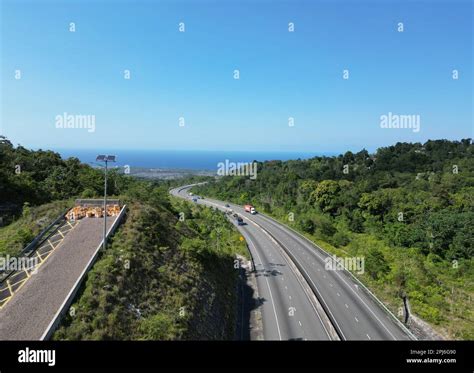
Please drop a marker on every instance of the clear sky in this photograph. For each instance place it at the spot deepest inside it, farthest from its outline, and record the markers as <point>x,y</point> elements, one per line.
<point>282,74</point>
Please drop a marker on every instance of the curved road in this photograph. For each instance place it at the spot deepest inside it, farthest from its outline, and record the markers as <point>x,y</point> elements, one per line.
<point>288,309</point>
<point>354,313</point>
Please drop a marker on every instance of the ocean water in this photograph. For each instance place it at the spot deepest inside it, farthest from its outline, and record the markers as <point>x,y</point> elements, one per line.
<point>170,159</point>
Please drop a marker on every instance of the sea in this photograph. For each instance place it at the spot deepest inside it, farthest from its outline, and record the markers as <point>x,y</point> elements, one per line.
<point>182,159</point>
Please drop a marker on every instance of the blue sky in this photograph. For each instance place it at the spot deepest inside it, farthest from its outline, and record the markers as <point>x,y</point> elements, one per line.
<point>190,74</point>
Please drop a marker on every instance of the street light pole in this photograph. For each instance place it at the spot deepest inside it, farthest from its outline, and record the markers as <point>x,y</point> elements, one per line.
<point>106,159</point>
<point>105,206</point>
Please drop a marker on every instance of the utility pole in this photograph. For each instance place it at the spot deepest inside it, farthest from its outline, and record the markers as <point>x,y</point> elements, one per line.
<point>105,159</point>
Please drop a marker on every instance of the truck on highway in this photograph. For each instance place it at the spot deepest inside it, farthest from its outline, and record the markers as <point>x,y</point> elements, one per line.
<point>250,208</point>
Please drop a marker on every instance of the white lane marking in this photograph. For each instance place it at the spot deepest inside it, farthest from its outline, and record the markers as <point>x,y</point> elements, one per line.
<point>356,319</point>
<point>270,290</point>
<point>345,304</point>
<point>263,230</point>
<point>368,336</point>
<point>297,278</point>
<point>289,296</point>
<point>310,279</point>
<point>338,294</point>
<point>315,251</point>
<point>299,322</point>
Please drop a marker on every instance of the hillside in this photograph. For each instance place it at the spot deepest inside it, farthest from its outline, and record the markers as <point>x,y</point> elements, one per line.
<point>161,279</point>
<point>168,272</point>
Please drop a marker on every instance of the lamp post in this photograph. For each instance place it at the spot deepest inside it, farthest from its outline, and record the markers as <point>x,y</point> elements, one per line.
<point>105,159</point>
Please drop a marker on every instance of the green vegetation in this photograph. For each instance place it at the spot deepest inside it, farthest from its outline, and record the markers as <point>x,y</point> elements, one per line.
<point>168,272</point>
<point>39,177</point>
<point>36,186</point>
<point>161,278</point>
<point>15,236</point>
<point>408,210</point>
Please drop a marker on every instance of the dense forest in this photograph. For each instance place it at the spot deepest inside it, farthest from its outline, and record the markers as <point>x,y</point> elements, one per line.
<point>169,271</point>
<point>37,186</point>
<point>408,209</point>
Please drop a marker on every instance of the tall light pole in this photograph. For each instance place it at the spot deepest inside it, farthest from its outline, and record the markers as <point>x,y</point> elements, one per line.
<point>106,159</point>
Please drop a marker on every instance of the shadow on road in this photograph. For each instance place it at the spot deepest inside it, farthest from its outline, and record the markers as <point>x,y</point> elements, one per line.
<point>247,324</point>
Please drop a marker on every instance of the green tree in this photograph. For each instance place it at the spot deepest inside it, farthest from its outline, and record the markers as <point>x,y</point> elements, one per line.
<point>326,195</point>
<point>376,264</point>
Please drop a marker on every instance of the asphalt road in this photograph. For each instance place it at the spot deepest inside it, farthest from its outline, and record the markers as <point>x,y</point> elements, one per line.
<point>287,305</point>
<point>31,309</point>
<point>355,313</point>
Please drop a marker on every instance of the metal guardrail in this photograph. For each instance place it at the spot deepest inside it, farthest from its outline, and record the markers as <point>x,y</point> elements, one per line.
<point>39,238</point>
<point>316,246</point>
<point>368,292</point>
<point>30,249</point>
<point>99,202</point>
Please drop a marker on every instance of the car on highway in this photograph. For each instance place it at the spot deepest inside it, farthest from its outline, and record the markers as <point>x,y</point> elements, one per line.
<point>239,219</point>
<point>227,205</point>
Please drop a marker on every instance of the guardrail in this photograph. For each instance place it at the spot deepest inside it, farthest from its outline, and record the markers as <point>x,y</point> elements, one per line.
<point>364,288</point>
<point>70,297</point>
<point>368,292</point>
<point>29,249</point>
<point>309,281</point>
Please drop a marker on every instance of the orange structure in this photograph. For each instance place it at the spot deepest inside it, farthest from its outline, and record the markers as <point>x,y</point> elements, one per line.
<point>92,209</point>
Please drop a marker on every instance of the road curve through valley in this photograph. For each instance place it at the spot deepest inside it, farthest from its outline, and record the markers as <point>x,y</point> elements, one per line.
<point>286,302</point>
<point>354,312</point>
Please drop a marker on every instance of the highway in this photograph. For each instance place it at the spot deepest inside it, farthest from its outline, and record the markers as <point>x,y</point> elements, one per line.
<point>289,309</point>
<point>354,313</point>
